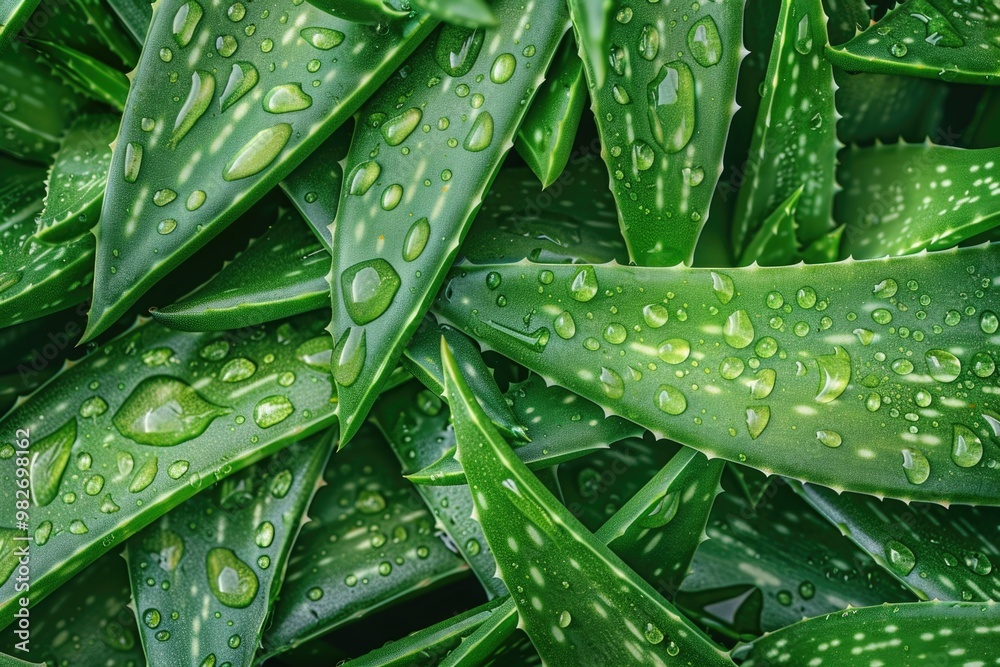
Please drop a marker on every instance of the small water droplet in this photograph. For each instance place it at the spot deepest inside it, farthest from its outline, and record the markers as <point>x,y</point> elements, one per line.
<point>272,410</point>
<point>186,19</point>
<point>480,134</point>
<point>704,41</point>
<point>323,39</point>
<point>655,315</point>
<point>916,466</point>
<point>242,78</point>
<point>503,68</point>
<point>738,330</point>
<point>829,438</point>
<point>416,239</point>
<point>564,325</point>
<point>898,49</point>
<point>133,161</point>
<point>757,419</point>
<point>900,557</point>
<point>258,153</point>
<point>670,400</point>
<point>943,366</point>
<point>723,287</point>
<point>362,177</point>
<point>988,322</point>
<point>611,384</point>
<point>674,350</point>
<point>653,634</point>
<point>265,534</point>
<point>672,106</point>
<point>231,580</point>
<point>649,42</point>
<point>195,201</point>
<point>584,286</point>
<point>967,448</point>
<point>397,129</point>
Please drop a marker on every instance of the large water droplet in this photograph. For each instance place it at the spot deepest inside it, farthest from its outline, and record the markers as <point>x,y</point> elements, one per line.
<point>10,543</point>
<point>723,287</point>
<point>144,476</point>
<point>674,350</point>
<point>242,79</point>
<point>457,49</point>
<point>133,161</point>
<point>584,286</point>
<point>670,400</point>
<point>480,134</point>
<point>503,68</point>
<point>258,153</point>
<point>989,322</point>
<point>350,354</point>
<point>916,466</point>
<point>738,330</point>
<point>286,98</point>
<point>164,411</point>
<point>565,325</point>
<point>231,580</point>
<point>757,418</point>
<point>323,39</point>
<point>900,557</point>
<point>186,21</point>
<point>672,106</point>
<point>612,384</point>
<point>397,129</point>
<point>362,177</point>
<point>649,42</point>
<point>272,410</point>
<point>49,457</point>
<point>704,41</point>
<point>966,448</point>
<point>368,288</point>
<point>265,534</point>
<point>661,512</point>
<point>316,353</point>
<point>655,315</point>
<point>803,36</point>
<point>762,383</point>
<point>198,100</point>
<point>237,370</point>
<point>943,365</point>
<point>834,374</point>
<point>829,438</point>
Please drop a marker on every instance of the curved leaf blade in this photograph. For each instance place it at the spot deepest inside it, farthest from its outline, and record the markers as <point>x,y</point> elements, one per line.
<point>812,353</point>
<point>526,526</point>
<point>85,73</point>
<point>200,142</point>
<point>425,184</point>
<point>468,13</point>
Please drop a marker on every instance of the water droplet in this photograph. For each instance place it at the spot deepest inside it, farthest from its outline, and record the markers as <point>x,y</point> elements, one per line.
<point>615,333</point>
<point>902,366</point>
<point>829,438</point>
<point>281,484</point>
<point>898,49</point>
<point>185,21</point>
<point>350,353</point>
<point>95,406</point>
<point>133,161</point>
<point>564,325</point>
<point>362,177</point>
<point>620,94</point>
<point>397,129</point>
<point>242,79</point>
<point>943,366</point>
<point>236,12</point>
<point>653,634</point>
<point>286,98</point>
<point>94,485</point>
<point>704,41</point>
<point>368,289</point>
<point>457,49</point>
<point>226,45</point>
<point>916,466</point>
<point>195,201</point>
<point>763,383</point>
<point>642,155</point>
<point>979,563</point>
<point>670,400</point>
<point>231,580</point>
<point>655,315</point>
<point>144,476</point>
<point>49,457</point>
<point>806,297</point>
<point>674,350</point>
<point>237,370</point>
<point>314,594</point>
<point>900,557</point>
<point>323,39</point>
<point>612,384</point>
<point>272,410</point>
<point>503,68</point>
<point>391,196</point>
<point>834,374</point>
<point>865,336</point>
<point>886,289</point>
<point>258,153</point>
<point>967,448</point>
<point>672,106</point>
<point>649,42</point>
<point>983,365</point>
<point>723,287</point>
<point>178,469</point>
<point>565,618</point>
<point>472,547</point>
<point>416,239</point>
<point>480,134</point>
<point>316,353</point>
<point>738,330</point>
<point>198,100</point>
<point>42,533</point>
<point>164,196</point>
<point>803,38</point>
<point>265,534</point>
<point>163,411</point>
<point>78,527</point>
<point>584,286</point>
<point>731,368</point>
<point>989,322</point>
<point>757,418</point>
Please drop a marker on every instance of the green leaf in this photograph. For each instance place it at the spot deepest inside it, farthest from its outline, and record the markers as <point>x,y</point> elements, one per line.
<point>768,565</point>
<point>135,15</point>
<point>85,73</point>
<point>467,13</point>
<point>795,141</point>
<point>915,634</point>
<point>945,197</point>
<point>774,243</point>
<point>145,421</point>
<point>281,274</point>
<point>38,107</point>
<point>11,661</point>
<point>518,220</point>
<point>983,131</point>
<point>887,107</point>
<point>369,543</point>
<point>423,359</point>
<point>430,645</point>
<point>561,425</point>
<point>87,621</point>
<point>205,135</point>
<point>784,369</point>
<point>938,553</point>
<point>369,12</point>
<point>13,15</point>
<point>490,637</point>
<point>102,23</point>
<point>676,67</point>
<point>415,422</point>
<point>314,186</point>
<point>35,278</point>
<point>591,22</point>
<point>223,552</point>
<point>826,248</point>
<point>384,277</point>
<point>846,18</point>
<point>75,185</point>
<point>526,526</point>
<point>947,40</point>
<point>548,133</point>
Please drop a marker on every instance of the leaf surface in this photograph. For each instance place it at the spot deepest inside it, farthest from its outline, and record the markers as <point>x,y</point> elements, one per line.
<point>785,369</point>
<point>85,73</point>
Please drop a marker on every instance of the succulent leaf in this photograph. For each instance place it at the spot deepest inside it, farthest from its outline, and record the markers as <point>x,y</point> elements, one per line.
<point>85,73</point>
<point>467,13</point>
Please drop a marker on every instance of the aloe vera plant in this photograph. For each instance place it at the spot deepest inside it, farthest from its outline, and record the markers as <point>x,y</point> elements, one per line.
<point>673,375</point>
